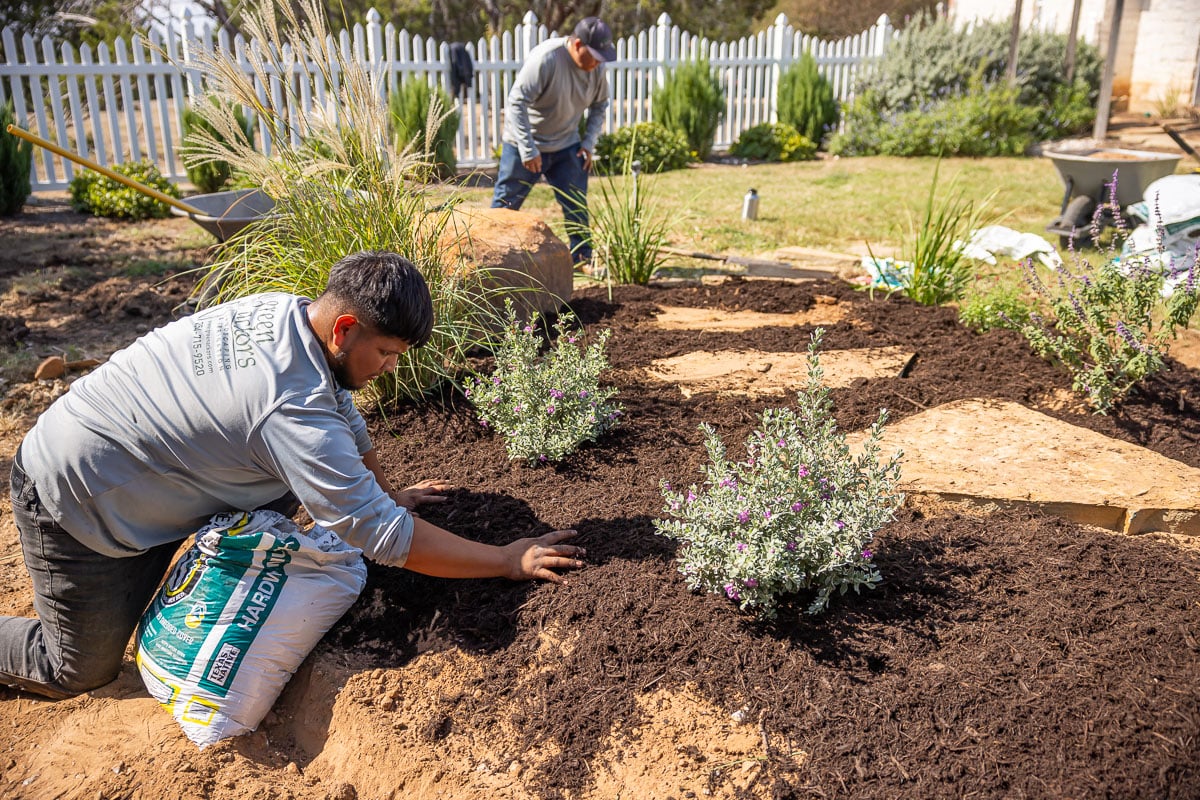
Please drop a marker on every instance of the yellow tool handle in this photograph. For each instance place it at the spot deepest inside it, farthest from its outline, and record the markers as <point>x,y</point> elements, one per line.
<point>105,171</point>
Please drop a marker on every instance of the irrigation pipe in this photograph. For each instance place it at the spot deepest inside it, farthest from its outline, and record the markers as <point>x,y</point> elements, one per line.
<point>105,171</point>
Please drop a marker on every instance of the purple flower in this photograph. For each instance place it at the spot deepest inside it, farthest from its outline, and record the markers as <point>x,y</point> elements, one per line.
<point>528,329</point>
<point>727,483</point>
<point>866,553</point>
<point>691,496</point>
<point>483,423</point>
<point>741,547</point>
<point>840,525</point>
<point>583,394</point>
<point>743,517</point>
<point>750,583</point>
<point>572,339</point>
<point>674,505</point>
<point>667,485</point>
<point>731,592</point>
<point>798,506</point>
<point>550,409</point>
<point>802,472</point>
<point>495,401</point>
<point>781,443</point>
<point>766,515</point>
<point>556,394</point>
<point>466,392</point>
<point>791,546</point>
<point>496,380</point>
<point>542,458</point>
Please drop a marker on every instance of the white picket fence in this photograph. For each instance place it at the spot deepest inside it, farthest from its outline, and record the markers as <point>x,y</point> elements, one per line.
<point>126,102</point>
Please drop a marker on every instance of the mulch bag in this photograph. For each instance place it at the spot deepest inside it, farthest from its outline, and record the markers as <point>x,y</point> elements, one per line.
<point>238,614</point>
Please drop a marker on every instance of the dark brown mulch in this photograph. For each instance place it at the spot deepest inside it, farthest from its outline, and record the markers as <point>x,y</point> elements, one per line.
<point>1010,655</point>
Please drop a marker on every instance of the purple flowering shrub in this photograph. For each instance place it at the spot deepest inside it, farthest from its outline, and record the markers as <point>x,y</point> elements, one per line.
<point>799,513</point>
<point>1110,325</point>
<point>545,405</point>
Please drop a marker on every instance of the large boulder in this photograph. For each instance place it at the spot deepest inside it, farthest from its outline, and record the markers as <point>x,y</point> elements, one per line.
<point>518,250</point>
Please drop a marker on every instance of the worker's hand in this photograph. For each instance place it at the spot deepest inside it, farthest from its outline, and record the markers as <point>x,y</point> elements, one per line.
<point>586,155</point>
<point>431,490</point>
<point>534,164</point>
<point>536,557</point>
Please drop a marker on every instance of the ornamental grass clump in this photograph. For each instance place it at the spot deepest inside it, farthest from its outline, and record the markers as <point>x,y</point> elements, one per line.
<point>1110,326</point>
<point>545,405</point>
<point>628,227</point>
<point>933,269</point>
<point>798,514</point>
<point>340,183</point>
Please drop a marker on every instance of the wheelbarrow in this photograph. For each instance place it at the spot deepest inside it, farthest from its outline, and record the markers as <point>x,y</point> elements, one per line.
<point>1086,174</point>
<point>220,213</point>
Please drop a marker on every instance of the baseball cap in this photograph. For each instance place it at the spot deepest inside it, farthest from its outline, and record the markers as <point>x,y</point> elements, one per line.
<point>596,35</point>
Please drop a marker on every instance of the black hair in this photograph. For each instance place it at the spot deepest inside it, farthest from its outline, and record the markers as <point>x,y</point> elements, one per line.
<point>386,291</point>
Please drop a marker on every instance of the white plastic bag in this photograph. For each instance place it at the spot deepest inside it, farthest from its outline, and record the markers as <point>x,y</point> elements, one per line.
<point>238,614</point>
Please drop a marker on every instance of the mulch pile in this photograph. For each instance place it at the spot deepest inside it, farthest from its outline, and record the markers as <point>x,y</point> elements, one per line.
<point>1008,655</point>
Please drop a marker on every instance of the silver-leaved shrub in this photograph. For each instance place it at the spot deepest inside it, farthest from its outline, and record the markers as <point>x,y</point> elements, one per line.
<point>799,513</point>
<point>1110,325</point>
<point>545,405</point>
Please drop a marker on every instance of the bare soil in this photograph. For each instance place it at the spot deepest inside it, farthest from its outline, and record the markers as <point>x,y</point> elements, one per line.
<point>1005,655</point>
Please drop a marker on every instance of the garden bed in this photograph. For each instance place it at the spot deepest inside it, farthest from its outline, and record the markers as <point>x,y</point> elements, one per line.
<point>1004,655</point>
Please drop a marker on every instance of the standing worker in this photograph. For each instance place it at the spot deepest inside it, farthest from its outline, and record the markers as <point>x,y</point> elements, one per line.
<point>243,405</point>
<point>559,81</point>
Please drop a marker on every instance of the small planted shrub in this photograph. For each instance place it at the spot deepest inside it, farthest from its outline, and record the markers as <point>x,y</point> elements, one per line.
<point>1109,325</point>
<point>100,195</point>
<point>773,141</point>
<point>656,147</point>
<point>205,170</point>
<point>806,102</point>
<point>16,160</point>
<point>425,119</point>
<point>545,405</point>
<point>691,101</point>
<point>798,514</point>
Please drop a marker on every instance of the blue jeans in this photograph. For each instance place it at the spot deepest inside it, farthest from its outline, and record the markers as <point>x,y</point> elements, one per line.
<point>88,604</point>
<point>565,173</point>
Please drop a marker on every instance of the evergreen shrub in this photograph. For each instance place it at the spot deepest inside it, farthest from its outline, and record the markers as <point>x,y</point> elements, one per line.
<point>691,101</point>
<point>432,136</point>
<point>806,102</point>
<point>658,148</point>
<point>210,174</point>
<point>98,194</point>
<point>775,141</point>
<point>16,160</point>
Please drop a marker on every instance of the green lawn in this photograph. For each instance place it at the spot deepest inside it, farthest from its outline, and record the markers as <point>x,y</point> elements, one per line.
<point>831,204</point>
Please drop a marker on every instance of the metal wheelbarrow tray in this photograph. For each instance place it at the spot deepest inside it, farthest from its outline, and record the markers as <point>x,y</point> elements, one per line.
<point>1085,173</point>
<point>226,213</point>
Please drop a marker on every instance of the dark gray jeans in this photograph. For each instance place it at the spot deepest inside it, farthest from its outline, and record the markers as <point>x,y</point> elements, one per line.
<point>88,604</point>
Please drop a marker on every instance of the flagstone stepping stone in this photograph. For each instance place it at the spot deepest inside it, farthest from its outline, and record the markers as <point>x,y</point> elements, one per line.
<point>991,453</point>
<point>754,373</point>
<point>716,320</point>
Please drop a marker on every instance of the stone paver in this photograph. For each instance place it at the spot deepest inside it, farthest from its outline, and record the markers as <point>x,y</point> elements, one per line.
<point>754,373</point>
<point>712,319</point>
<point>995,453</point>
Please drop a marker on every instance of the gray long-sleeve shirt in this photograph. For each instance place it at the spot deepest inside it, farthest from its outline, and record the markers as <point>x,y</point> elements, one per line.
<point>226,409</point>
<point>548,98</point>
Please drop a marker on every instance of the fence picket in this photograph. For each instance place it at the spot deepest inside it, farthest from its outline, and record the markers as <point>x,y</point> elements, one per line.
<point>106,103</point>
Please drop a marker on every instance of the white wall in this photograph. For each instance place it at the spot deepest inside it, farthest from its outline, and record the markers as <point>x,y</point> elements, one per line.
<point>1165,53</point>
